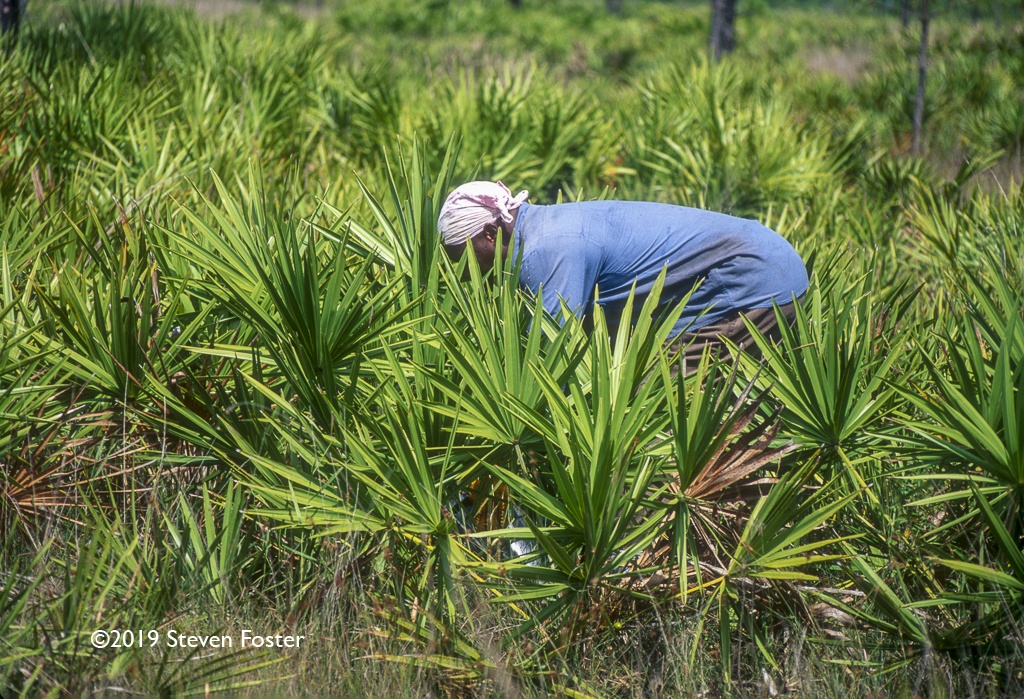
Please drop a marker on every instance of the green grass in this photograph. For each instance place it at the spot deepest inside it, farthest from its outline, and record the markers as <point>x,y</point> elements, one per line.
<point>241,387</point>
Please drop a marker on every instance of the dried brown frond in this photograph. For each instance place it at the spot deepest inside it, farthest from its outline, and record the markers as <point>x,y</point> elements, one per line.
<point>720,495</point>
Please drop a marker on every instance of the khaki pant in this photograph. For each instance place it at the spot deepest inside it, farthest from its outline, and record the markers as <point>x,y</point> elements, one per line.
<point>732,328</point>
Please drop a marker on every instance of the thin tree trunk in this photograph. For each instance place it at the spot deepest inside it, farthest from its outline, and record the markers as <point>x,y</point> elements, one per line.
<point>9,16</point>
<point>905,13</point>
<point>614,7</point>
<point>729,27</point>
<point>516,4</point>
<point>716,21</point>
<point>723,27</point>
<point>922,78</point>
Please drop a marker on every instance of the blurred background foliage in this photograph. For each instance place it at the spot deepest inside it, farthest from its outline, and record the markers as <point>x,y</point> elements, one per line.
<point>241,387</point>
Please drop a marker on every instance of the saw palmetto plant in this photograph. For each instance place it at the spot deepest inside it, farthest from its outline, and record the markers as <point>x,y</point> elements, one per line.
<point>243,387</point>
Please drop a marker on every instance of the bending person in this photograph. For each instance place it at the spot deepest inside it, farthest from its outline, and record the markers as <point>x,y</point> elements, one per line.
<point>568,250</point>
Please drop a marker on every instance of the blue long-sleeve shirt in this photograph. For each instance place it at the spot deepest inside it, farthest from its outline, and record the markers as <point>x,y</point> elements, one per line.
<point>568,249</point>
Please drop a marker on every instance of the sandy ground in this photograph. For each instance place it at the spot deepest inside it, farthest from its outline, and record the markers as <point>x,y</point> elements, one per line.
<point>215,9</point>
<point>849,64</point>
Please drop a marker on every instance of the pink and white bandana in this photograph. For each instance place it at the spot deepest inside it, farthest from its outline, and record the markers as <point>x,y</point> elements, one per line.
<point>472,206</point>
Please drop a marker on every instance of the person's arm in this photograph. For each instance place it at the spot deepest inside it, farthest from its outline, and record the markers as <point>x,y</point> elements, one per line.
<point>562,267</point>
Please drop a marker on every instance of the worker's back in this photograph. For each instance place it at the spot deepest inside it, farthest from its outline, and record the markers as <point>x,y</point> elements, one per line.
<point>570,248</point>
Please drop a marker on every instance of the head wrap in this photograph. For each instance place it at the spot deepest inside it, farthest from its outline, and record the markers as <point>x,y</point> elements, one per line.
<point>472,206</point>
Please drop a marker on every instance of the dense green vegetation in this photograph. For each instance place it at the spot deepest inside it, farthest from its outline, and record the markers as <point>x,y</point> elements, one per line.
<point>241,388</point>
